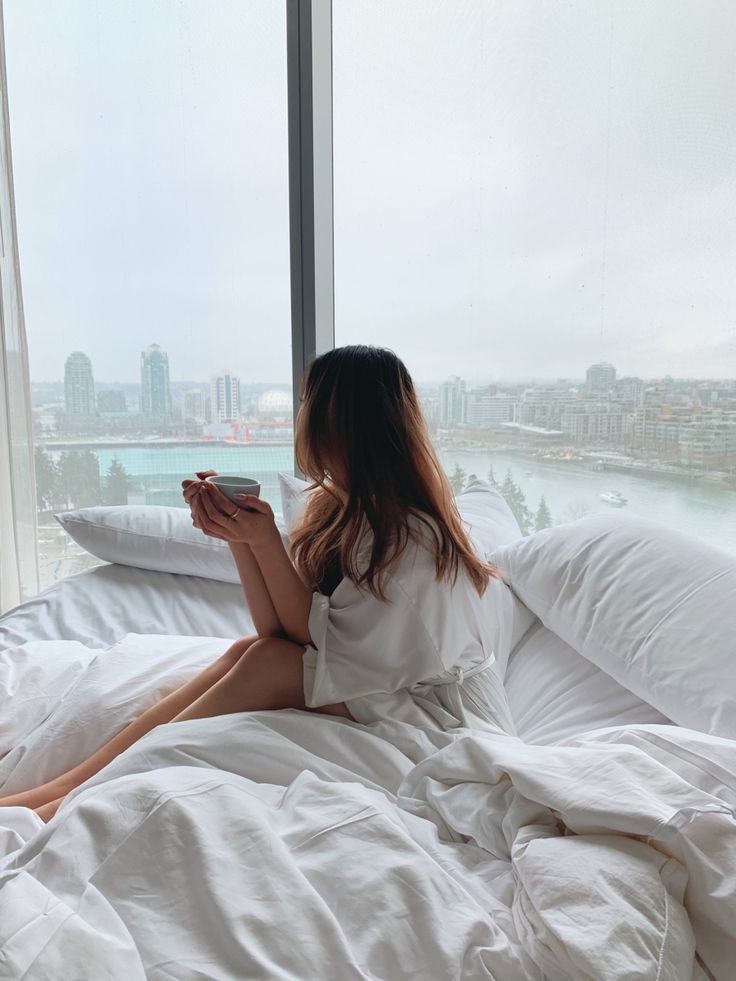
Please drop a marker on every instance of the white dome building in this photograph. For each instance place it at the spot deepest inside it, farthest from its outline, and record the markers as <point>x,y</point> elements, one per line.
<point>275,402</point>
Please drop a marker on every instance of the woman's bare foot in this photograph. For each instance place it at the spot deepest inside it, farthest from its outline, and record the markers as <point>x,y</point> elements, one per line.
<point>47,811</point>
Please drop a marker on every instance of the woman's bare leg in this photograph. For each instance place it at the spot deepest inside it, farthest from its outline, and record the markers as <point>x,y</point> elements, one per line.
<point>268,676</point>
<point>47,811</point>
<point>163,711</point>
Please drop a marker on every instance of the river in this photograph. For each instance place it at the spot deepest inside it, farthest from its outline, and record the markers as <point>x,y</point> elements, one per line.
<point>570,489</point>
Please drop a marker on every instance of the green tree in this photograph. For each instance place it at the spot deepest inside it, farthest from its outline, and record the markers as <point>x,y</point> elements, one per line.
<point>457,478</point>
<point>543,518</point>
<point>516,500</point>
<point>47,480</point>
<point>492,478</point>
<point>116,485</point>
<point>79,478</point>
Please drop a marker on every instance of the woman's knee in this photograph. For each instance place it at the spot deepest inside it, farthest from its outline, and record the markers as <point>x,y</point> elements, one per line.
<point>234,653</point>
<point>262,649</point>
<point>273,667</point>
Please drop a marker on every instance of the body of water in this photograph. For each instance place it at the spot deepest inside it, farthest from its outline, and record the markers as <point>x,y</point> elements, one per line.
<point>570,489</point>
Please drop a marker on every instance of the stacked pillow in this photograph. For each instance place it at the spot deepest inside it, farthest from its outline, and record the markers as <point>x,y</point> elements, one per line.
<point>653,608</point>
<point>163,539</point>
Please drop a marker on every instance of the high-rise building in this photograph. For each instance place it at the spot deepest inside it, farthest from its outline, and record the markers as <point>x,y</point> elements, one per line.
<point>485,410</point>
<point>224,397</point>
<point>155,391</point>
<point>452,399</point>
<point>79,386</point>
<point>112,400</point>
<point>194,404</point>
<point>543,407</point>
<point>631,390</point>
<point>600,377</point>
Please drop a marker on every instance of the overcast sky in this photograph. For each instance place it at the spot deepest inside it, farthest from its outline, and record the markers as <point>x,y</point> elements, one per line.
<point>521,188</point>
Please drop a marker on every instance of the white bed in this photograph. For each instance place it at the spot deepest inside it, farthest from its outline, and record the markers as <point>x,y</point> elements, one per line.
<point>292,845</point>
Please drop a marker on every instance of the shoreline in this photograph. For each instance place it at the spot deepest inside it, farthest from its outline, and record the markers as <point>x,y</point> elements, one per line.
<point>586,462</point>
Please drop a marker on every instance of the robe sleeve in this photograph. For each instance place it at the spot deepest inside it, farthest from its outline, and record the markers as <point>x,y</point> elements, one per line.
<point>364,646</point>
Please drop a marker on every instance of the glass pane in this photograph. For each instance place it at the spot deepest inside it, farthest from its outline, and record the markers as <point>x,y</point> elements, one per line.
<point>150,155</point>
<point>535,208</point>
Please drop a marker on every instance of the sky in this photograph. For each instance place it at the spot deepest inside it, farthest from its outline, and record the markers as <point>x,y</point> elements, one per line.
<point>522,188</point>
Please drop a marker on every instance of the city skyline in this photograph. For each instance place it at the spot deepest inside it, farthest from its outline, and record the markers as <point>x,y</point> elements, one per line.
<point>688,423</point>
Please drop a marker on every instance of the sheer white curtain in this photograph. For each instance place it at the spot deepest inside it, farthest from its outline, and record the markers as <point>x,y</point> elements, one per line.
<point>18,556</point>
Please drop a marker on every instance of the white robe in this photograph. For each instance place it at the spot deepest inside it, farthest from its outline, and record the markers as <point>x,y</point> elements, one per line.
<point>426,657</point>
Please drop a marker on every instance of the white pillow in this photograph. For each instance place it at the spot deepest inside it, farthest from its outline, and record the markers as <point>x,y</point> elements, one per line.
<point>554,693</point>
<point>294,498</point>
<point>163,539</point>
<point>491,521</point>
<point>151,537</point>
<point>654,608</point>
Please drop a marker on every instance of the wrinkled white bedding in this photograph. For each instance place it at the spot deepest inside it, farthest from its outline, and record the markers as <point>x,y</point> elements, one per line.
<point>293,845</point>
<point>290,845</point>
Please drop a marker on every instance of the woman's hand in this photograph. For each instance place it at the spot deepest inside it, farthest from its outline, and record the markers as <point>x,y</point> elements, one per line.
<point>218,517</point>
<point>191,490</point>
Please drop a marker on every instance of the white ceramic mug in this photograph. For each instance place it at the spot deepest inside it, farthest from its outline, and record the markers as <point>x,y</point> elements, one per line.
<point>231,485</point>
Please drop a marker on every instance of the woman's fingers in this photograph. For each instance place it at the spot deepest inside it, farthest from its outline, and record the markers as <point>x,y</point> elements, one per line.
<point>220,500</point>
<point>201,520</point>
<point>253,503</point>
<point>190,489</point>
<point>214,516</point>
<point>206,473</point>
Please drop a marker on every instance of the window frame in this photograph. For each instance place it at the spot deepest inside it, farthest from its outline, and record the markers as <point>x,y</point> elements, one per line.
<point>311,225</point>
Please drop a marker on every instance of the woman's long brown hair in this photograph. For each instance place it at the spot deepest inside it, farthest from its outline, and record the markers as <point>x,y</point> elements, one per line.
<point>360,431</point>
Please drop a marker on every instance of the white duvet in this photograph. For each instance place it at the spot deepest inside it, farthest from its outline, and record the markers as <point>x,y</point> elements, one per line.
<point>292,845</point>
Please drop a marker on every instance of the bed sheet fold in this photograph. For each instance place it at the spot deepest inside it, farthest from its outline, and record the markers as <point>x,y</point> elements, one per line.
<point>294,845</point>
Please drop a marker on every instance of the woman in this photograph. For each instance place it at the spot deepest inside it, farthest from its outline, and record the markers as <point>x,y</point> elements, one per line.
<point>383,611</point>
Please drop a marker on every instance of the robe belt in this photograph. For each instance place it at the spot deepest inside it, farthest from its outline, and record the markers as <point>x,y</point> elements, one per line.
<point>456,675</point>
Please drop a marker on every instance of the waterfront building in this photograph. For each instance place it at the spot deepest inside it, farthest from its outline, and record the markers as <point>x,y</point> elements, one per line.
<point>111,402</point>
<point>430,405</point>
<point>601,425</point>
<point>224,397</point>
<point>452,402</point>
<point>532,436</point>
<point>194,405</point>
<point>155,390</point>
<point>708,442</point>
<point>79,387</point>
<point>275,404</point>
<point>656,429</point>
<point>631,390</point>
<point>600,377</point>
<point>484,410</point>
<point>543,407</point>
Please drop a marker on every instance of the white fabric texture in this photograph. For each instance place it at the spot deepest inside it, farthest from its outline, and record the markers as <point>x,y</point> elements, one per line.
<point>554,693</point>
<point>389,849</point>
<point>419,646</point>
<point>100,606</point>
<point>18,560</point>
<point>398,851</point>
<point>653,608</point>
<point>162,539</point>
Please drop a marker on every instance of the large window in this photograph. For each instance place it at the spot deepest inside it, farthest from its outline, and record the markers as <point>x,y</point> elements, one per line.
<point>150,158</point>
<point>534,206</point>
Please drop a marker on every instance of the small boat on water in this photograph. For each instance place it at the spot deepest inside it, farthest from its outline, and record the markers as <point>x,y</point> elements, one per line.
<point>616,498</point>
